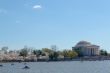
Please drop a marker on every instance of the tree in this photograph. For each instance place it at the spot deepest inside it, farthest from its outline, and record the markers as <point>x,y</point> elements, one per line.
<point>54,47</point>
<point>60,53</point>
<point>53,56</point>
<point>69,54</point>
<point>78,51</point>
<point>37,52</point>
<point>65,53</point>
<point>46,50</point>
<point>24,52</point>
<point>11,51</point>
<point>103,52</point>
<point>106,53</point>
<point>72,54</point>
<point>5,49</point>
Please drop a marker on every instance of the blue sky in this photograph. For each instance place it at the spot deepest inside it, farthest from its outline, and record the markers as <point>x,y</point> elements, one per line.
<point>42,23</point>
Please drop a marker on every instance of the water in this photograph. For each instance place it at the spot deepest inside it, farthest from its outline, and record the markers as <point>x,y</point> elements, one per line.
<point>58,67</point>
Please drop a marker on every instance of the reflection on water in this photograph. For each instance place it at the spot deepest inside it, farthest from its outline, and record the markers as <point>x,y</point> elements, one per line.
<point>58,67</point>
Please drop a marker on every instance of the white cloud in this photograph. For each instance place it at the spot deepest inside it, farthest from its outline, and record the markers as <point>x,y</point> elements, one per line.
<point>37,7</point>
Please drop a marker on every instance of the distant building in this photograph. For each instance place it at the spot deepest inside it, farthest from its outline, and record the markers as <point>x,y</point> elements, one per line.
<point>85,48</point>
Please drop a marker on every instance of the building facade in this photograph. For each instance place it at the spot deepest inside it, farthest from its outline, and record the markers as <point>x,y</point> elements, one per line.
<point>85,48</point>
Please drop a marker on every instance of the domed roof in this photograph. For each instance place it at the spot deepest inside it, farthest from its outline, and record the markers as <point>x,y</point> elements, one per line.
<point>83,43</point>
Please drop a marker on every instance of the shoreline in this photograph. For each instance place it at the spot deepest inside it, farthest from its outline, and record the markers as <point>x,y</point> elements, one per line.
<point>57,60</point>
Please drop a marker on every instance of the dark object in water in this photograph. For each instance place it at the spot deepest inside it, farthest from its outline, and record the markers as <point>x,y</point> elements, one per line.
<point>19,61</point>
<point>12,64</point>
<point>25,63</point>
<point>1,65</point>
<point>26,67</point>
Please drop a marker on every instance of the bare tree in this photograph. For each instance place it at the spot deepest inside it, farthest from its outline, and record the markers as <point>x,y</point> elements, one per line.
<point>54,47</point>
<point>5,49</point>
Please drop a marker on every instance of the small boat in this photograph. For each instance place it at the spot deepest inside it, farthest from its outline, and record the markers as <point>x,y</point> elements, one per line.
<point>26,67</point>
<point>1,65</point>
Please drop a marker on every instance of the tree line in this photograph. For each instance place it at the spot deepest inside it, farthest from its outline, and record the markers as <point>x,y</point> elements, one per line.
<point>53,53</point>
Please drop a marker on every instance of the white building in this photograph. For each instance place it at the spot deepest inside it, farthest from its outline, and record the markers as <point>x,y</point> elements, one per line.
<point>86,48</point>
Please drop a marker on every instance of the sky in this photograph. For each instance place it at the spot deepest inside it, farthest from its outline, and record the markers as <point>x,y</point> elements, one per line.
<point>42,23</point>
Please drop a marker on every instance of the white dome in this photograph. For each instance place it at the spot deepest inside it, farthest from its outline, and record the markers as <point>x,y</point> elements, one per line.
<point>83,43</point>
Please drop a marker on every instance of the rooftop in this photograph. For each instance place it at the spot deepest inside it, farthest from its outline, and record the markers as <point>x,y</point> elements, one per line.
<point>85,44</point>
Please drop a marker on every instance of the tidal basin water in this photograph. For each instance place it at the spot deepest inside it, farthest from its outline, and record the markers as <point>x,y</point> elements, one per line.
<point>58,67</point>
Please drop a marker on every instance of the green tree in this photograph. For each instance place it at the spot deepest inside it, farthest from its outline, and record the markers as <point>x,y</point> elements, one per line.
<point>37,52</point>
<point>69,54</point>
<point>103,52</point>
<point>53,56</point>
<point>65,53</point>
<point>46,50</point>
<point>24,52</point>
<point>78,51</point>
<point>72,54</point>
